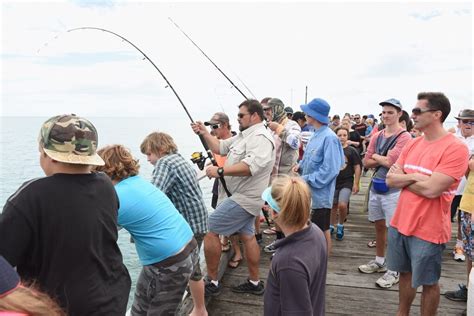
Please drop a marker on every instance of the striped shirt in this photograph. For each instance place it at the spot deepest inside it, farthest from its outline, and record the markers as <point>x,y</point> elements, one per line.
<point>177,179</point>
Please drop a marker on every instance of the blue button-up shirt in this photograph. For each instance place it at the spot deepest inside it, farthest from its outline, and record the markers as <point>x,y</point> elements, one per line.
<point>322,160</point>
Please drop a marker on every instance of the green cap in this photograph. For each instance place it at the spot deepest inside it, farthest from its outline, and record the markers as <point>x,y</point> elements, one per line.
<point>71,139</point>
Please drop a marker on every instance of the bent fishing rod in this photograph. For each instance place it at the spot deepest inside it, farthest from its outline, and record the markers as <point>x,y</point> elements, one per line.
<point>203,141</point>
<point>208,58</point>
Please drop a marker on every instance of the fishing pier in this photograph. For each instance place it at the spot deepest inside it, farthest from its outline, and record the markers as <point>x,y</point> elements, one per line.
<point>348,292</point>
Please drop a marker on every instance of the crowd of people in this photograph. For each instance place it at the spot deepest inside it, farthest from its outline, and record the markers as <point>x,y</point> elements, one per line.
<point>298,169</point>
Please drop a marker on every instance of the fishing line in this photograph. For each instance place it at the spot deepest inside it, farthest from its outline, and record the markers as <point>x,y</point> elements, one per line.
<point>203,141</point>
<point>189,38</point>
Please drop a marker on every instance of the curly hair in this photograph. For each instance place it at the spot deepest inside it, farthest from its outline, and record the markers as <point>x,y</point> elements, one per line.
<point>27,299</point>
<point>119,162</point>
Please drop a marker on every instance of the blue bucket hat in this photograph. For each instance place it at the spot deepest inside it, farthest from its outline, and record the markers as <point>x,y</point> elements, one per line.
<point>317,109</point>
<point>393,102</point>
<point>267,197</point>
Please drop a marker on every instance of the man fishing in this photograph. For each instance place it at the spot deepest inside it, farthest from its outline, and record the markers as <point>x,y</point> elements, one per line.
<point>250,159</point>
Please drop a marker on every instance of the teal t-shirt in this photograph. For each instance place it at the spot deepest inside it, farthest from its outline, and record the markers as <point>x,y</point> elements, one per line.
<point>157,227</point>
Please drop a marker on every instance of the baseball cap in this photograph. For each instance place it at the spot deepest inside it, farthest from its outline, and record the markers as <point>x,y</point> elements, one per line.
<point>392,102</point>
<point>9,279</point>
<point>219,117</point>
<point>288,109</point>
<point>71,139</point>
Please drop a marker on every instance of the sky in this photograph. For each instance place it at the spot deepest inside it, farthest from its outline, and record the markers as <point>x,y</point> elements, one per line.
<point>352,54</point>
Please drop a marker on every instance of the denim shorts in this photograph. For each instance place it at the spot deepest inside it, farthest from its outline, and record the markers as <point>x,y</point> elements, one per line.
<point>382,206</point>
<point>230,218</point>
<point>411,254</point>
<point>467,231</point>
<point>342,195</point>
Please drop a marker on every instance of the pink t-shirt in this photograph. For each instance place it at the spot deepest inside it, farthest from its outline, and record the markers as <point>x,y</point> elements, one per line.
<point>416,215</point>
<point>393,153</point>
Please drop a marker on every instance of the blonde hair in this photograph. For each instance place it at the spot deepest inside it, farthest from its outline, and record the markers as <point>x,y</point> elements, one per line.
<point>119,162</point>
<point>294,198</point>
<point>158,143</point>
<point>26,299</point>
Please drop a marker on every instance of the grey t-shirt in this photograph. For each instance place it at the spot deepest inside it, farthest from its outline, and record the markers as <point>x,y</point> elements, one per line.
<point>296,282</point>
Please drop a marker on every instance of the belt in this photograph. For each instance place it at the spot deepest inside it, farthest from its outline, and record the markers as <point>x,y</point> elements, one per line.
<point>180,256</point>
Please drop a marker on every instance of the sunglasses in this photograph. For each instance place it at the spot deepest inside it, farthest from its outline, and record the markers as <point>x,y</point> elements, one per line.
<point>467,122</point>
<point>267,109</point>
<point>215,126</point>
<point>241,115</point>
<point>356,118</point>
<point>418,111</point>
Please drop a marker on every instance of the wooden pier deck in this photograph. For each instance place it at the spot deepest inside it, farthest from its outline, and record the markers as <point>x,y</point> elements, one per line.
<point>348,292</point>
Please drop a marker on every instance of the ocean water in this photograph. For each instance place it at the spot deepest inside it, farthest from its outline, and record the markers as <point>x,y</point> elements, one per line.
<point>19,157</point>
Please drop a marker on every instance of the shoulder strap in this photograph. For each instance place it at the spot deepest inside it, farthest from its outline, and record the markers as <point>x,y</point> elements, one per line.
<point>390,145</point>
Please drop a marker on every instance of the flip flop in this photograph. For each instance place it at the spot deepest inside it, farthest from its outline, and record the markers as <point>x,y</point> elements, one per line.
<point>234,264</point>
<point>270,231</point>
<point>225,247</point>
<point>372,244</point>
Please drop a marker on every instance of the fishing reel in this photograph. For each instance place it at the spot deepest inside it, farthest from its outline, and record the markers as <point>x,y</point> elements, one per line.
<point>199,159</point>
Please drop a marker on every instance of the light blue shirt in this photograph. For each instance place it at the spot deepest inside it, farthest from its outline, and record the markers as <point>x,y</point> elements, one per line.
<point>157,227</point>
<point>322,160</point>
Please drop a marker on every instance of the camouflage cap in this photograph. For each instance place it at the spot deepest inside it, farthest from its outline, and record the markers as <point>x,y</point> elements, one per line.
<point>71,139</point>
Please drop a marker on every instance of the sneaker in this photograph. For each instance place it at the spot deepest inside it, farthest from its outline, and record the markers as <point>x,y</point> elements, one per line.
<point>458,253</point>
<point>270,248</point>
<point>389,279</point>
<point>373,266</point>
<point>248,287</point>
<point>340,232</point>
<point>210,289</point>
<point>259,238</point>
<point>459,295</point>
<point>331,229</point>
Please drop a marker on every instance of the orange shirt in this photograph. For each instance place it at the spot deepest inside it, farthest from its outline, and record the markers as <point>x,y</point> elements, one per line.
<point>416,215</point>
<point>220,160</point>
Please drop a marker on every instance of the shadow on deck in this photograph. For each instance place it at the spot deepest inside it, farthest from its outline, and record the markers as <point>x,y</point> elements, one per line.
<point>348,292</point>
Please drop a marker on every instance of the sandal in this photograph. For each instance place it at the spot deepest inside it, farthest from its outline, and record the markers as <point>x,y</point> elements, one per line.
<point>372,244</point>
<point>225,247</point>
<point>234,264</point>
<point>270,231</point>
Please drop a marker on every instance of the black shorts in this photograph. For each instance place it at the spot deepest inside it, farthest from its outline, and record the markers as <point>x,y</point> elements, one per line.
<point>321,217</point>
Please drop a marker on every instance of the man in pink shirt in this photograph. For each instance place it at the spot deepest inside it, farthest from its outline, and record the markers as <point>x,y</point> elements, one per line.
<point>384,148</point>
<point>428,172</point>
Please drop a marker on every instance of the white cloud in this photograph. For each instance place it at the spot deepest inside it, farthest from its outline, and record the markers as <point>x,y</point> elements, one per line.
<point>352,54</point>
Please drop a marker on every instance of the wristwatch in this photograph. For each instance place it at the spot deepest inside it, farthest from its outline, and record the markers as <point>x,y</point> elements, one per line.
<point>220,172</point>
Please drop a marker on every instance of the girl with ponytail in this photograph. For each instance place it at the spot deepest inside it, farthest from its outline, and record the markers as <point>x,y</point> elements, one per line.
<point>297,278</point>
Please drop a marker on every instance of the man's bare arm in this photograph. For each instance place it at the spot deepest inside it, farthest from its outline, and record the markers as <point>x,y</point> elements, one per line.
<point>433,186</point>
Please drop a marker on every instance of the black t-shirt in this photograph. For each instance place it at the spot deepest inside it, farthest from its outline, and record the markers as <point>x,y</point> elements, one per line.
<point>360,128</point>
<point>355,137</point>
<point>345,179</point>
<point>61,231</point>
